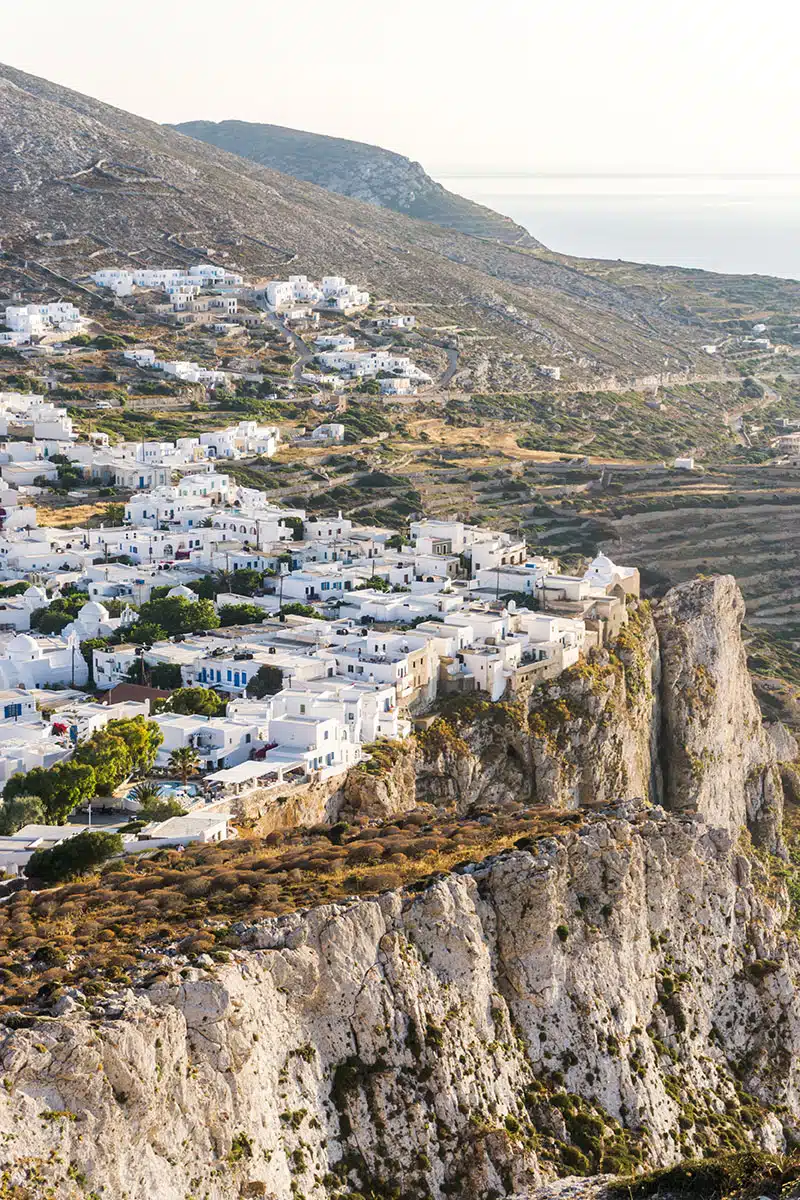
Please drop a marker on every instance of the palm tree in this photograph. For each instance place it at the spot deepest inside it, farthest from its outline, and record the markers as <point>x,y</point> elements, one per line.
<point>184,762</point>
<point>148,794</point>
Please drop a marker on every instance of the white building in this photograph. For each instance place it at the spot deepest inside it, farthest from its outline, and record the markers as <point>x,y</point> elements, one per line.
<point>39,662</point>
<point>37,320</point>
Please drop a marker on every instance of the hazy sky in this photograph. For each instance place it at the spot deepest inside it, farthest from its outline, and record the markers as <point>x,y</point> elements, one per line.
<point>542,85</point>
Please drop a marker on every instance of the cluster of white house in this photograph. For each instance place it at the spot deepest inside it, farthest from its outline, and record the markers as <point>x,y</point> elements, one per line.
<point>437,624</point>
<point>171,280</point>
<point>397,621</point>
<point>397,374</point>
<point>24,322</point>
<point>182,369</point>
<point>333,293</point>
<point>33,431</point>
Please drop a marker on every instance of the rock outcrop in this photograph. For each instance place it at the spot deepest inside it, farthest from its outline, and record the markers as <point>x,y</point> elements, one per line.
<point>618,991</point>
<point>666,714</point>
<point>622,993</point>
<point>717,758</point>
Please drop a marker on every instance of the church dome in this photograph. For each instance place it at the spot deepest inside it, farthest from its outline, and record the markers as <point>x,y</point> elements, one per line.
<point>35,593</point>
<point>92,611</point>
<point>181,592</point>
<point>23,646</point>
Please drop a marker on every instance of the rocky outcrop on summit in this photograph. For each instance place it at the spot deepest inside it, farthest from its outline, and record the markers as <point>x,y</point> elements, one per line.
<point>359,170</point>
<point>718,759</point>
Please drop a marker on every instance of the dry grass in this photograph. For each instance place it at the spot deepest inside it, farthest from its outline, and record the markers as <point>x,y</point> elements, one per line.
<point>71,515</point>
<point>102,929</point>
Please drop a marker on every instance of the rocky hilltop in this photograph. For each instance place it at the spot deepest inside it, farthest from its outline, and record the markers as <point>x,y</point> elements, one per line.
<point>616,988</point>
<point>359,170</point>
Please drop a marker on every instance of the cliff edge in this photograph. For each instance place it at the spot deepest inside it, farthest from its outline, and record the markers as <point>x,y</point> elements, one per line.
<point>611,990</point>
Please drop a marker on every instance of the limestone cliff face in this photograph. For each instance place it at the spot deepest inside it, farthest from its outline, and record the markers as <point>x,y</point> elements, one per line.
<point>717,757</point>
<point>618,994</point>
<point>667,714</point>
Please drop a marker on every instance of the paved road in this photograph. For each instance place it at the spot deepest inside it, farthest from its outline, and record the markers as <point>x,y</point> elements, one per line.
<point>304,351</point>
<point>452,367</point>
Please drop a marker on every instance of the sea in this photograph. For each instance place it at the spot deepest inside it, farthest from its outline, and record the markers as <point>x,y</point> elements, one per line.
<point>740,224</point>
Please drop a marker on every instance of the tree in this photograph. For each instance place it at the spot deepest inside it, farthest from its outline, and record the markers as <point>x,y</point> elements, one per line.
<point>377,583</point>
<point>241,614</point>
<point>88,648</point>
<point>142,738</point>
<point>148,794</point>
<point>205,587</point>
<point>113,514</point>
<point>165,675</point>
<point>395,542</point>
<point>24,810</point>
<point>59,613</point>
<point>109,758</point>
<point>61,788</point>
<point>74,856</point>
<point>14,589</point>
<point>184,762</point>
<point>266,682</point>
<point>144,633</point>
<point>195,701</point>
<point>295,609</point>
<point>177,615</point>
<point>245,581</point>
<point>296,526</point>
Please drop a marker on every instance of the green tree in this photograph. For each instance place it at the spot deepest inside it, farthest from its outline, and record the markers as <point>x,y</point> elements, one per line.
<point>296,609</point>
<point>266,682</point>
<point>184,762</point>
<point>241,614</point>
<point>109,758</point>
<point>113,514</point>
<point>165,675</point>
<point>177,615</point>
<point>14,589</point>
<point>88,648</point>
<point>205,587</point>
<point>195,701</point>
<point>144,633</point>
<point>73,857</point>
<point>23,810</point>
<point>61,788</point>
<point>296,525</point>
<point>148,793</point>
<point>245,581</point>
<point>142,738</point>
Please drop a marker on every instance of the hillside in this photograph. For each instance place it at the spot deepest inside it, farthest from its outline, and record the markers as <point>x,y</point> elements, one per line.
<point>84,185</point>
<point>358,170</point>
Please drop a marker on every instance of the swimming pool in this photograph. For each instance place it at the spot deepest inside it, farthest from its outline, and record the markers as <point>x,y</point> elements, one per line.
<point>171,789</point>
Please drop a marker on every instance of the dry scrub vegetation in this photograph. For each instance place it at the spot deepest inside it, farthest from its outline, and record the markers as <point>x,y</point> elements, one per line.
<point>113,928</point>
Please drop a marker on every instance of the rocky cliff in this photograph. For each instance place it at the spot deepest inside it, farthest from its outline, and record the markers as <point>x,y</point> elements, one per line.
<point>614,990</point>
<point>359,170</point>
<point>667,714</point>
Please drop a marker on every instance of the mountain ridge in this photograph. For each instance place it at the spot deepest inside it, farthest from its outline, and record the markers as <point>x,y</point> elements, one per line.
<point>359,170</point>
<point>71,166</point>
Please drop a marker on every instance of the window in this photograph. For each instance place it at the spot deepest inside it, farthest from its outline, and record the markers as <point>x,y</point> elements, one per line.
<point>248,737</point>
<point>325,735</point>
<point>230,676</point>
<point>302,709</point>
